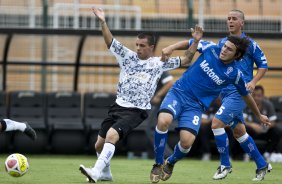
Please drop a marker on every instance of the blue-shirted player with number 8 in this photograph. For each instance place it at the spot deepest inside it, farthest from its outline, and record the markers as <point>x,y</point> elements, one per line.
<point>193,93</point>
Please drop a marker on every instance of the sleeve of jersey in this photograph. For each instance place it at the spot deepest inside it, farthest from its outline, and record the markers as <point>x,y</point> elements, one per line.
<point>259,56</point>
<point>240,84</point>
<point>203,44</point>
<point>171,63</point>
<point>119,51</point>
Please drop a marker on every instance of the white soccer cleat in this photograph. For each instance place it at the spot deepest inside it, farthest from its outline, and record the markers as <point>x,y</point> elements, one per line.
<point>106,174</point>
<point>222,172</point>
<point>260,173</point>
<point>92,174</point>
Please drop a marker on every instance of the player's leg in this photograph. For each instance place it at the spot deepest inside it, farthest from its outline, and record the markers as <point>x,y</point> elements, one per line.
<point>107,152</point>
<point>91,174</point>
<point>168,110</point>
<point>188,124</point>
<point>231,107</point>
<point>183,147</point>
<point>106,174</point>
<point>249,146</point>
<point>222,143</point>
<point>127,120</point>
<point>11,125</point>
<point>223,117</point>
<point>164,121</point>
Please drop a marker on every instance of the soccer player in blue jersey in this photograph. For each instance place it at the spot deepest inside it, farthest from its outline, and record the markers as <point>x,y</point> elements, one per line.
<point>193,93</point>
<point>231,111</point>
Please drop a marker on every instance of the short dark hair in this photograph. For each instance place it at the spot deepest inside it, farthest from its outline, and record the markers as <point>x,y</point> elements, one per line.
<point>150,37</point>
<point>241,45</point>
<point>259,87</point>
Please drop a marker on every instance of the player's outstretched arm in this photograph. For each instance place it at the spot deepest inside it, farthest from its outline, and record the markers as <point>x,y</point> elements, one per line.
<point>100,14</point>
<point>197,34</point>
<point>253,106</point>
<point>167,51</point>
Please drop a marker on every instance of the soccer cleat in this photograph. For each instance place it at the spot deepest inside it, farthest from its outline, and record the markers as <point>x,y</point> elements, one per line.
<point>222,172</point>
<point>156,173</point>
<point>167,170</point>
<point>30,132</point>
<point>92,175</point>
<point>106,174</point>
<point>260,173</point>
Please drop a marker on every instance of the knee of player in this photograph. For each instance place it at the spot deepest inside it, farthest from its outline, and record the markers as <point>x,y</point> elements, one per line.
<point>112,136</point>
<point>239,130</point>
<point>216,123</point>
<point>186,144</point>
<point>164,120</point>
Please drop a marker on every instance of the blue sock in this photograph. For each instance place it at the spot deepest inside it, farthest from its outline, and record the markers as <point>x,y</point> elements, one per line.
<point>222,144</point>
<point>178,153</point>
<point>249,146</point>
<point>159,145</point>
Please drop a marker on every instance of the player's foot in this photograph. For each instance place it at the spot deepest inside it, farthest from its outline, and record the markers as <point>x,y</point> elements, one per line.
<point>91,174</point>
<point>222,172</point>
<point>260,173</point>
<point>106,174</point>
<point>156,173</point>
<point>167,170</point>
<point>30,132</point>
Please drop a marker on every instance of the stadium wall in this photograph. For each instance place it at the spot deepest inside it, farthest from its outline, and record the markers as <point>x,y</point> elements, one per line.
<point>78,60</point>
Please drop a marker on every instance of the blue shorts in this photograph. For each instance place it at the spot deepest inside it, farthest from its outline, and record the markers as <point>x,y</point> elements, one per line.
<point>231,110</point>
<point>184,108</point>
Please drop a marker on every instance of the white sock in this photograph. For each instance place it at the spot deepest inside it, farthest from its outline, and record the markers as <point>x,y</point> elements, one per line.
<point>243,138</point>
<point>14,125</point>
<point>105,156</point>
<point>107,168</point>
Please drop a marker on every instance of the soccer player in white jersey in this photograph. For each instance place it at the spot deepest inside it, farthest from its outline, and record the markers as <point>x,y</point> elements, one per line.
<point>7,125</point>
<point>231,111</point>
<point>139,75</point>
<point>192,94</point>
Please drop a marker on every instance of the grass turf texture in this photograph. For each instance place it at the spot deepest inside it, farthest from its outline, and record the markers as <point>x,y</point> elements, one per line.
<point>64,170</point>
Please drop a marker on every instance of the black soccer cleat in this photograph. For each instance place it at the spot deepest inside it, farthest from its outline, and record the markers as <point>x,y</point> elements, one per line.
<point>30,132</point>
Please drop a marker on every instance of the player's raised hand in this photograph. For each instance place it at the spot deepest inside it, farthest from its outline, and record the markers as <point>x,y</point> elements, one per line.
<point>166,53</point>
<point>99,12</point>
<point>264,120</point>
<point>197,32</point>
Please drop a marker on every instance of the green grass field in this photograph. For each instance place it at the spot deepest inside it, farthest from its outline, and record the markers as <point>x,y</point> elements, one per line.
<point>53,169</point>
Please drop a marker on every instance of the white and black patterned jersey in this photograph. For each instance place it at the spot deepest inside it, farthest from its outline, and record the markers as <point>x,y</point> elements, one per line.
<point>138,78</point>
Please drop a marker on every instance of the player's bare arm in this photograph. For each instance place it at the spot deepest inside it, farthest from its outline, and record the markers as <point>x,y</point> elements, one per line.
<point>182,45</point>
<point>253,106</point>
<point>100,14</point>
<point>197,34</point>
<point>252,84</point>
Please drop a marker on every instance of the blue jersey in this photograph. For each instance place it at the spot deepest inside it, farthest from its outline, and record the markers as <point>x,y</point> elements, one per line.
<point>205,79</point>
<point>254,55</point>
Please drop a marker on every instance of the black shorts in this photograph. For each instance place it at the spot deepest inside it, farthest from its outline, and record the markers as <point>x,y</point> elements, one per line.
<point>122,119</point>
